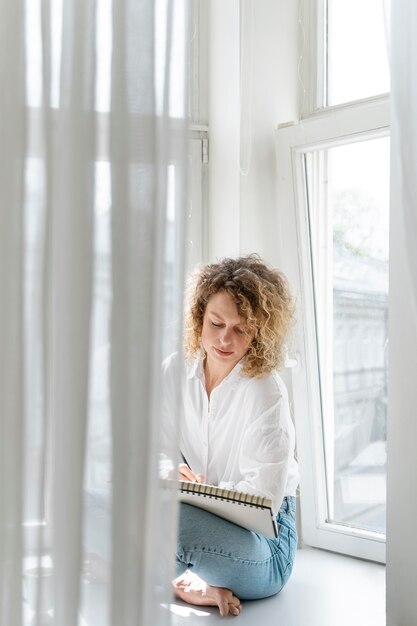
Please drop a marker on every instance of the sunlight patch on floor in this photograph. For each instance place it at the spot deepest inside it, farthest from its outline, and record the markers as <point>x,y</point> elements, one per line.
<point>186,611</point>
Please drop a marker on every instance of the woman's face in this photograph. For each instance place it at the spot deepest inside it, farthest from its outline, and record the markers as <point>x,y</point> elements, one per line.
<point>224,336</point>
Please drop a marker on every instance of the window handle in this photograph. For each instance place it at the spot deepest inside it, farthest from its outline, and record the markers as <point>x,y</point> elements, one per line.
<point>291,360</point>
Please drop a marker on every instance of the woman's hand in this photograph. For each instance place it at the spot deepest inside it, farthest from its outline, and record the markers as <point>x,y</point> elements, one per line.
<point>185,473</point>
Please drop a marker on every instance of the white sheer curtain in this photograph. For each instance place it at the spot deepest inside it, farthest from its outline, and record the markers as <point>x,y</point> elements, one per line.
<point>12,151</point>
<point>92,181</point>
<point>404,121</point>
<point>402,423</point>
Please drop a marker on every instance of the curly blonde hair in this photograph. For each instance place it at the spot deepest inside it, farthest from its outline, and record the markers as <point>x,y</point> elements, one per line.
<point>263,300</point>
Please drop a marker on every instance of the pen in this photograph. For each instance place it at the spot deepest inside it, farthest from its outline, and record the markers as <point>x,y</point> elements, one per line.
<point>185,460</point>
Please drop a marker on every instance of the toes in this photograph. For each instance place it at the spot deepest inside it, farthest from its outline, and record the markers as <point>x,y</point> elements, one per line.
<point>235,601</point>
<point>235,606</point>
<point>223,608</point>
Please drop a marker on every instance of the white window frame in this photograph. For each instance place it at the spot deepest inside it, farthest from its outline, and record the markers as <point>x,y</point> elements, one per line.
<point>197,218</point>
<point>313,69</point>
<point>312,73</point>
<point>332,126</point>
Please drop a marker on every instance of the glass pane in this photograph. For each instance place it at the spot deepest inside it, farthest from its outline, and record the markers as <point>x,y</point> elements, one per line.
<point>349,214</point>
<point>357,50</point>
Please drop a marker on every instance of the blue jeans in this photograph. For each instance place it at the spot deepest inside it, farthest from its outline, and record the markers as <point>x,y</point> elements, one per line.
<point>226,555</point>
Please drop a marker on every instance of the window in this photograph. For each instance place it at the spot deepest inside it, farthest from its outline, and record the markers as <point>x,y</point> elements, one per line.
<point>344,52</point>
<point>333,171</point>
<point>356,59</point>
<point>347,203</point>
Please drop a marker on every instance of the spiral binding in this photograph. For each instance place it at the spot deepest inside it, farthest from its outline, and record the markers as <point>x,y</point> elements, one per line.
<point>218,493</point>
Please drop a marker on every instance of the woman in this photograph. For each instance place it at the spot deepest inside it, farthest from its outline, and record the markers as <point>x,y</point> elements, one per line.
<point>235,431</point>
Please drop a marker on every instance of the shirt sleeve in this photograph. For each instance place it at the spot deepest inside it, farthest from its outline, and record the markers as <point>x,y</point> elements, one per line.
<point>267,448</point>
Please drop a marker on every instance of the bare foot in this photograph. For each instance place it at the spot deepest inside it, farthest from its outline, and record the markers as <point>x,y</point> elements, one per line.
<point>193,590</point>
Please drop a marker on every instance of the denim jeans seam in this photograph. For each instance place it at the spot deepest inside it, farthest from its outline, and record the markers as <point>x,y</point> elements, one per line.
<point>212,551</point>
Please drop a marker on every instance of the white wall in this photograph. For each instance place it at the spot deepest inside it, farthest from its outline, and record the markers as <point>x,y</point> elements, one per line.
<point>242,209</point>
<point>274,101</point>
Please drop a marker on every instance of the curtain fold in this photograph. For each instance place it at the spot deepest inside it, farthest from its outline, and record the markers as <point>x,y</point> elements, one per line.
<point>71,168</point>
<point>12,168</point>
<point>404,122</point>
<point>402,426</point>
<point>66,258</point>
<point>143,145</point>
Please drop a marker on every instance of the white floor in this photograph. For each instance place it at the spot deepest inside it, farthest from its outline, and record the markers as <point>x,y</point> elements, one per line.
<point>325,589</point>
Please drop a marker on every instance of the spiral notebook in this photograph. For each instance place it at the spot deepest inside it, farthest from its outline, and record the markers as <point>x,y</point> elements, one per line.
<point>251,512</point>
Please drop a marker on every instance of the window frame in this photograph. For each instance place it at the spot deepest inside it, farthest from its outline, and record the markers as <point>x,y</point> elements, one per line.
<point>312,72</point>
<point>313,63</point>
<point>330,127</point>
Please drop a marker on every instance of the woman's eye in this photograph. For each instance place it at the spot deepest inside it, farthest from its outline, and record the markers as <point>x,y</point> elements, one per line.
<point>239,331</point>
<point>216,325</point>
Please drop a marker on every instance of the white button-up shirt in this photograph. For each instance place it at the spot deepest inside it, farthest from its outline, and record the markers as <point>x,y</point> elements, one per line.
<point>242,438</point>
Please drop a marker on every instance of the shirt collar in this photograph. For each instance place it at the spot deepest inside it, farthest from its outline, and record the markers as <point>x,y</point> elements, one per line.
<point>195,369</point>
